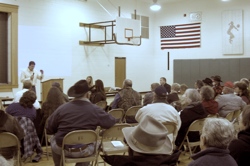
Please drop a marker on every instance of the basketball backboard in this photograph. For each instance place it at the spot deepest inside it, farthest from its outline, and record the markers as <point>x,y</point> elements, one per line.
<point>128,31</point>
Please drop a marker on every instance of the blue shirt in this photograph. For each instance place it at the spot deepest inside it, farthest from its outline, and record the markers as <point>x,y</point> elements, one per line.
<point>15,109</point>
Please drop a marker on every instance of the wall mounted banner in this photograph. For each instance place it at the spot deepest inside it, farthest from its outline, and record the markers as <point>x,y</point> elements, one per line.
<point>232,32</point>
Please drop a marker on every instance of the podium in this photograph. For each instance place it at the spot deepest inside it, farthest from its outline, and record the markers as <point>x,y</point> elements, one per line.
<point>46,85</point>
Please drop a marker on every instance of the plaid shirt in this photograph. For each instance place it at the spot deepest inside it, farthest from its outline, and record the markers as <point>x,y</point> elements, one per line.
<point>31,140</point>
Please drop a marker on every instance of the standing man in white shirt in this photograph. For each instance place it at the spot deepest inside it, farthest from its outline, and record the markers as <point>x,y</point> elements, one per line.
<point>31,74</point>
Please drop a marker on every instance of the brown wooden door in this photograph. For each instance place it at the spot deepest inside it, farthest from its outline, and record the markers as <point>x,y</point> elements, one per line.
<point>120,71</point>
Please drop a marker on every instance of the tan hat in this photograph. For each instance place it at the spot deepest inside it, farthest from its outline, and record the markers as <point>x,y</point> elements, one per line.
<point>148,137</point>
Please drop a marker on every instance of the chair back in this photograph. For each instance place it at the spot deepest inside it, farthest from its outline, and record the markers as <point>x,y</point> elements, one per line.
<point>1,105</point>
<point>236,114</point>
<point>171,126</point>
<point>114,132</point>
<point>197,125</point>
<point>80,137</point>
<point>8,139</point>
<point>117,113</point>
<point>47,140</point>
<point>130,114</point>
<point>102,104</point>
<point>213,115</point>
<point>230,116</point>
<point>172,130</point>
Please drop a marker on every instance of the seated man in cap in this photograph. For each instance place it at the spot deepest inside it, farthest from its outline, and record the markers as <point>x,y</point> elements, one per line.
<point>79,114</point>
<point>148,145</point>
<point>160,110</point>
<point>229,102</point>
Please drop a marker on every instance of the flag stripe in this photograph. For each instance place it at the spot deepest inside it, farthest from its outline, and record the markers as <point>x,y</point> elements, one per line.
<point>180,36</point>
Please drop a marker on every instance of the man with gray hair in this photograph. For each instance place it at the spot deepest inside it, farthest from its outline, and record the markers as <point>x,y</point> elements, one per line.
<point>229,102</point>
<point>126,97</point>
<point>216,135</point>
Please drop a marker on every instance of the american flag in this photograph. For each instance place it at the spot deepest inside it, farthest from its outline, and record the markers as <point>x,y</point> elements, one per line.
<point>181,36</point>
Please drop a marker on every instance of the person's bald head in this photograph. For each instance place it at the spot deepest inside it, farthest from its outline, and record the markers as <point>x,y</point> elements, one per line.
<point>127,83</point>
<point>27,84</point>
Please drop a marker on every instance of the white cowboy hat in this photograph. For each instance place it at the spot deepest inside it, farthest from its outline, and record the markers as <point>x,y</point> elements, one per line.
<point>148,137</point>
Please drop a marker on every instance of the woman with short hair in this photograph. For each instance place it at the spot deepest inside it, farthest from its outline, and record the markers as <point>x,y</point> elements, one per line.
<point>193,111</point>
<point>240,147</point>
<point>208,102</point>
<point>216,135</point>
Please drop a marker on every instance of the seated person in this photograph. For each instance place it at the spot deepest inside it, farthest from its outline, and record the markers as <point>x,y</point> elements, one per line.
<point>27,85</point>
<point>173,96</point>
<point>148,145</point>
<point>25,106</point>
<point>160,110</point>
<point>53,100</point>
<point>9,124</point>
<point>240,147</point>
<point>229,102</point>
<point>57,85</point>
<point>98,93</point>
<point>241,89</point>
<point>126,97</point>
<point>215,138</point>
<point>191,112</point>
<point>148,97</point>
<point>198,85</point>
<point>208,102</point>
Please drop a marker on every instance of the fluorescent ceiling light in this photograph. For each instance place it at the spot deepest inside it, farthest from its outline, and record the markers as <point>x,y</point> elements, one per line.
<point>155,6</point>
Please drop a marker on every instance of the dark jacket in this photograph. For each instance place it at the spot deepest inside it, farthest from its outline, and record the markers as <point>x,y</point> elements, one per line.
<point>172,97</point>
<point>240,148</point>
<point>145,160</point>
<point>212,157</point>
<point>128,98</point>
<point>97,96</point>
<point>167,87</point>
<point>211,106</point>
<point>191,113</point>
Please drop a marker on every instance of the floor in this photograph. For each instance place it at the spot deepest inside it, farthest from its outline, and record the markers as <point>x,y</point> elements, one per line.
<point>184,161</point>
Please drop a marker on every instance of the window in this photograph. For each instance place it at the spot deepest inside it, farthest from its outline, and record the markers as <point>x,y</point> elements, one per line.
<point>144,25</point>
<point>8,47</point>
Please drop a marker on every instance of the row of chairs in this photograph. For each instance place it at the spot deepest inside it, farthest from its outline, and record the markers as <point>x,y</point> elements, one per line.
<point>197,126</point>
<point>106,138</point>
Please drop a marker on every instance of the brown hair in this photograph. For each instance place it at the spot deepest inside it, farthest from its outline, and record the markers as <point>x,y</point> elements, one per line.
<point>99,86</point>
<point>243,87</point>
<point>28,99</point>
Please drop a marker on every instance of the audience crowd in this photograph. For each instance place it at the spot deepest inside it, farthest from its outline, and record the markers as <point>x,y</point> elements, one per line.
<point>221,142</point>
